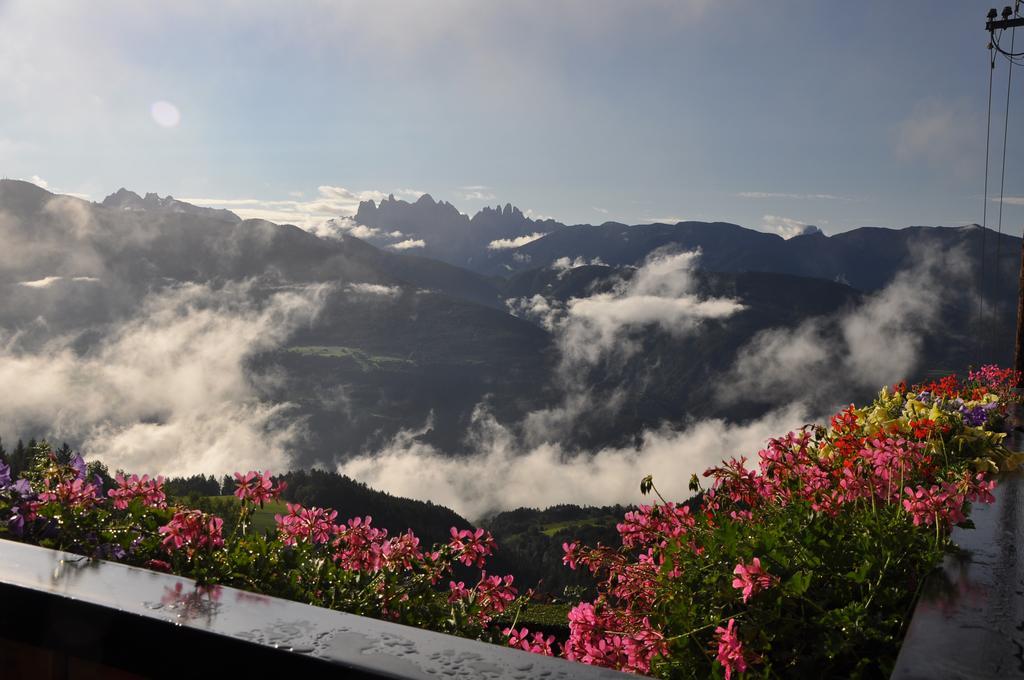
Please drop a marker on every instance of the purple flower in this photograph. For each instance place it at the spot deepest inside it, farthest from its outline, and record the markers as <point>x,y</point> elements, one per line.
<point>978,415</point>
<point>5,475</point>
<point>16,523</point>
<point>78,464</point>
<point>22,488</point>
<point>110,551</point>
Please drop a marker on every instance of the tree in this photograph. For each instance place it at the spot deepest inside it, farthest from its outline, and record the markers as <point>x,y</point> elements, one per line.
<point>64,454</point>
<point>18,459</point>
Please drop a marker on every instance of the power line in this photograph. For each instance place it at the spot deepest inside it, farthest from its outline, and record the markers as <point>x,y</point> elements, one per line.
<point>979,343</point>
<point>1002,178</point>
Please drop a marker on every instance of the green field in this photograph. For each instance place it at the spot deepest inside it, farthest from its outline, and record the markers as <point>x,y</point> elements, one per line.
<point>553,528</point>
<point>262,519</point>
<point>366,362</point>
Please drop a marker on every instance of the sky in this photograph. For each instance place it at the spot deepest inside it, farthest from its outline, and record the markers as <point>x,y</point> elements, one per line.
<point>770,115</point>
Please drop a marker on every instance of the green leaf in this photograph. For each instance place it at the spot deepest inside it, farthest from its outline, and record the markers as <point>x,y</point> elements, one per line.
<point>798,583</point>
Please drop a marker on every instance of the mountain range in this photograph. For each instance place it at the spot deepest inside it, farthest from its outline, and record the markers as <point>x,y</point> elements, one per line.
<point>406,345</point>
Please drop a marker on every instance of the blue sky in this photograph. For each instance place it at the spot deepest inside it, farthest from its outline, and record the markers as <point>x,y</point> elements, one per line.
<point>765,114</point>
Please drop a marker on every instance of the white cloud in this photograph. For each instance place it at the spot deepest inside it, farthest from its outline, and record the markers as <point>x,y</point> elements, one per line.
<point>503,474</point>
<point>476,192</point>
<point>168,391</point>
<point>375,289</point>
<point>536,216</point>
<point>546,313</point>
<point>41,283</point>
<point>659,293</point>
<point>786,227</point>
<point>876,343</point>
<point>564,264</point>
<point>943,134</point>
<point>799,197</point>
<point>330,202</point>
<point>508,243</point>
<point>409,243</point>
<point>667,219</point>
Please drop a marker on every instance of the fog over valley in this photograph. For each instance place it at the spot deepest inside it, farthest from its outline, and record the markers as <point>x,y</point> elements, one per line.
<point>559,366</point>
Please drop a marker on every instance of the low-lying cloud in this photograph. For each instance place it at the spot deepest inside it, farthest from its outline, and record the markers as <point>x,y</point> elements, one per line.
<point>504,475</point>
<point>509,243</point>
<point>374,289</point>
<point>658,294</point>
<point>409,243</point>
<point>330,202</point>
<point>787,227</point>
<point>876,343</point>
<point>167,391</point>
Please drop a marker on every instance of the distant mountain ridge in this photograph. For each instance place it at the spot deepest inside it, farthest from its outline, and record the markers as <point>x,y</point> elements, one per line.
<point>408,343</point>
<point>449,235</point>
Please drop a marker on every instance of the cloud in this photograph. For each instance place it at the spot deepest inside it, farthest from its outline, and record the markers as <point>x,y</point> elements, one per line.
<point>536,216</point>
<point>477,192</point>
<point>504,474</point>
<point>798,197</point>
<point>787,227</point>
<point>1009,200</point>
<point>167,391</point>
<point>658,294</point>
<point>409,243</point>
<point>538,309</point>
<point>374,289</point>
<point>41,283</point>
<point>878,342</point>
<point>329,203</point>
<point>508,243</point>
<point>942,134</point>
<point>564,264</point>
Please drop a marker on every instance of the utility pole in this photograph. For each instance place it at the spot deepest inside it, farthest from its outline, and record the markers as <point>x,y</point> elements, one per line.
<point>1018,357</point>
<point>1006,22</point>
<point>1010,19</point>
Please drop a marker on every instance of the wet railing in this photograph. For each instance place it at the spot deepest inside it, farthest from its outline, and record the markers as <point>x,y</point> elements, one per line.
<point>969,620</point>
<point>67,617</point>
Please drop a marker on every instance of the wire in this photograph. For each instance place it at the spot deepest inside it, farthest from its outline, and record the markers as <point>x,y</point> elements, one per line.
<point>979,346</point>
<point>1002,178</point>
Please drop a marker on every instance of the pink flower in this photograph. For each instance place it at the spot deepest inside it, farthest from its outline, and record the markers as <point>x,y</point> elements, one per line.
<point>537,644</point>
<point>300,524</point>
<point>751,578</point>
<point>151,491</point>
<point>730,650</point>
<point>74,493</point>
<point>457,591</point>
<point>471,547</point>
<point>571,556</point>
<point>257,487</point>
<point>192,530</point>
<point>612,638</point>
<point>493,593</point>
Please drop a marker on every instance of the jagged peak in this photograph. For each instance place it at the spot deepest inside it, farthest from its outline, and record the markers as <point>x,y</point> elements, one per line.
<point>121,196</point>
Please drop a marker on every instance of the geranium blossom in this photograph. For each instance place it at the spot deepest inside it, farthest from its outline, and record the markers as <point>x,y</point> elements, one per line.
<point>730,649</point>
<point>751,578</point>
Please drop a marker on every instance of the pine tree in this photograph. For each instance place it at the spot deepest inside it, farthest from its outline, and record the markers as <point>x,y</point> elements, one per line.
<point>18,460</point>
<point>64,454</point>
